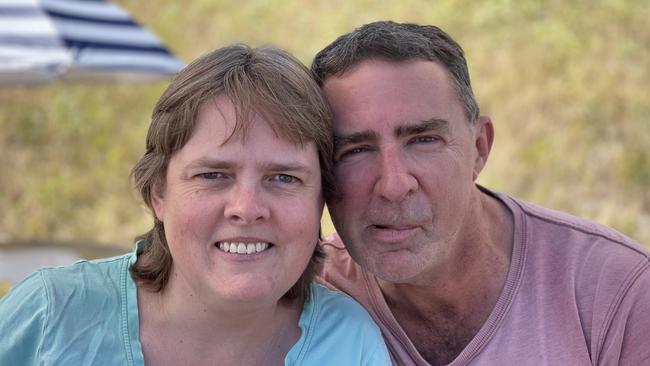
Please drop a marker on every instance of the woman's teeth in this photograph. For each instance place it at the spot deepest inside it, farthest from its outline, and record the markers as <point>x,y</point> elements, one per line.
<point>243,248</point>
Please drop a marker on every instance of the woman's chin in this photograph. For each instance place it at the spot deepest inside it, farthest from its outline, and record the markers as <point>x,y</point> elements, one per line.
<point>254,292</point>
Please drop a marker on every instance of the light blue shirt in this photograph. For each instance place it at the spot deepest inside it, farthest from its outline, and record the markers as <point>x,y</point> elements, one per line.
<point>87,314</point>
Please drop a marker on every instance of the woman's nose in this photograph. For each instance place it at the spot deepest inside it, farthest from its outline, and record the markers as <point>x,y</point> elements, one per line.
<point>246,206</point>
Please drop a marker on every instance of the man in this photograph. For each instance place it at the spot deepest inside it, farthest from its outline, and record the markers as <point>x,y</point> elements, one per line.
<point>453,272</point>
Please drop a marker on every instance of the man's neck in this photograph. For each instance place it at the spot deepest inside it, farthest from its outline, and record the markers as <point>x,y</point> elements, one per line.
<point>441,311</point>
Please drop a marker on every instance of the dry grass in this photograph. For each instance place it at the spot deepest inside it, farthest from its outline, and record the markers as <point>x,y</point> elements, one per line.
<point>566,84</point>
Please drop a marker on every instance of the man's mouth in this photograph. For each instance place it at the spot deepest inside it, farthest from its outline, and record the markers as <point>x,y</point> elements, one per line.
<point>393,227</point>
<point>242,248</point>
<point>391,233</point>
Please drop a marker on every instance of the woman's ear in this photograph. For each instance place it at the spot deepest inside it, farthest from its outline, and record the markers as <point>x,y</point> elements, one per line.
<point>483,143</point>
<point>158,201</point>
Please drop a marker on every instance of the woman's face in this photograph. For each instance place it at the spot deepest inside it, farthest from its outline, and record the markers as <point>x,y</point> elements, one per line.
<point>242,217</point>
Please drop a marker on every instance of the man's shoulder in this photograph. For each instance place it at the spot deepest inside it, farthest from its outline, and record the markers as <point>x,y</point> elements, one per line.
<point>601,263</point>
<point>333,244</point>
<point>573,233</point>
<point>337,257</point>
<point>580,285</point>
<point>604,270</point>
<point>338,270</point>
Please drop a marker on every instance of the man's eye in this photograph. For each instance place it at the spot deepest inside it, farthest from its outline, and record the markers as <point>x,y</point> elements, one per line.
<point>424,139</point>
<point>285,178</point>
<point>350,152</point>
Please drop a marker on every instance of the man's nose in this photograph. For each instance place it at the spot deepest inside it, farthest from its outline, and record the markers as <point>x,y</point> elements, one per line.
<point>395,181</point>
<point>246,205</point>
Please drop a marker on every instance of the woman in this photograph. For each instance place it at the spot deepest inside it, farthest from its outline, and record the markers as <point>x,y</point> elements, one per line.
<point>237,155</point>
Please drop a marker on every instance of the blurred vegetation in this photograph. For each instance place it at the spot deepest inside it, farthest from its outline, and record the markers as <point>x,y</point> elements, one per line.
<point>566,84</point>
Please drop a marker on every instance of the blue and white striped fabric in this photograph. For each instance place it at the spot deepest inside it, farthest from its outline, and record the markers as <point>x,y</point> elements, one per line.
<point>77,40</point>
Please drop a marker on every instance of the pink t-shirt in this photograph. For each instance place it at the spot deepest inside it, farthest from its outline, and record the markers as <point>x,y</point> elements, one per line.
<point>577,293</point>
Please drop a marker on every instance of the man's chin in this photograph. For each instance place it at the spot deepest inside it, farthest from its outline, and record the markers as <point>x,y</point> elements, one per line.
<point>397,266</point>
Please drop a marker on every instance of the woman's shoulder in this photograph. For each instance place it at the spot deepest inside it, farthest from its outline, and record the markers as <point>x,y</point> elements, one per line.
<point>76,286</point>
<point>337,304</point>
<point>84,299</point>
<point>87,275</point>
<point>340,313</point>
<point>338,330</point>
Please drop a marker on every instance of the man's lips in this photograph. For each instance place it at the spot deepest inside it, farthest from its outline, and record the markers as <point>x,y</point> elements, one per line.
<point>393,226</point>
<point>391,233</point>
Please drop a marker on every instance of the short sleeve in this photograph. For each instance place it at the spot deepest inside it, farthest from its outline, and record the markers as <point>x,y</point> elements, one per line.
<point>636,349</point>
<point>22,322</point>
<point>626,342</point>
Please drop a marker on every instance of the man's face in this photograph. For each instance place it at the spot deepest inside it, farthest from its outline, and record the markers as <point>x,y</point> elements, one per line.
<point>405,163</point>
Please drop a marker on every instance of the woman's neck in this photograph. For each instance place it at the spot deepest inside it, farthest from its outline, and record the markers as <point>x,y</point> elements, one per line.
<point>179,326</point>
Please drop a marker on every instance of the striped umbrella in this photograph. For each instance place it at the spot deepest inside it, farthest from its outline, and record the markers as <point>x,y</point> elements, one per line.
<point>87,40</point>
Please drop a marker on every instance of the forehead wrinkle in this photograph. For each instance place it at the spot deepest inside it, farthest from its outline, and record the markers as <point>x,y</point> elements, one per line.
<point>430,125</point>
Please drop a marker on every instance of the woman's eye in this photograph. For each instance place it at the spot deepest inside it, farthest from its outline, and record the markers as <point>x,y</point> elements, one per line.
<point>211,175</point>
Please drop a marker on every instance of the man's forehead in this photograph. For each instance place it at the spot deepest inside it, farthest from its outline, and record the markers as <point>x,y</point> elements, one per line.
<point>374,66</point>
<point>415,83</point>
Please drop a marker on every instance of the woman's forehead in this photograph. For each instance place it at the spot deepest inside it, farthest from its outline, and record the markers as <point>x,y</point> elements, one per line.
<point>236,121</point>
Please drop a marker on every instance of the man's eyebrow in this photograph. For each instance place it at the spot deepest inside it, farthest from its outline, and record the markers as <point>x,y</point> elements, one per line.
<point>354,138</point>
<point>430,125</point>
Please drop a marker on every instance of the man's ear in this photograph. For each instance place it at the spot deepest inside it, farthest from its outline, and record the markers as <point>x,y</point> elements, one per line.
<point>484,136</point>
<point>157,201</point>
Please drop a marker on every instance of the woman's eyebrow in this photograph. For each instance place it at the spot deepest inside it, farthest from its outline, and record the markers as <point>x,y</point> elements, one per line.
<point>207,162</point>
<point>292,166</point>
<point>211,163</point>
